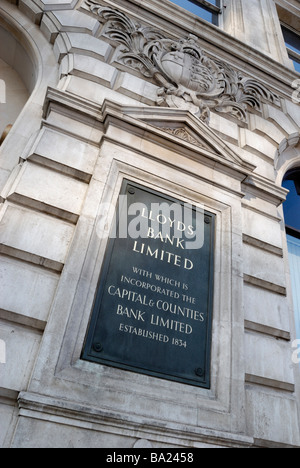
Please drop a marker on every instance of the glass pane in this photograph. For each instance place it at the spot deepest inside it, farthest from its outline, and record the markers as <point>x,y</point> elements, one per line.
<point>201,11</point>
<point>292,220</point>
<point>291,206</point>
<point>294,259</point>
<point>292,39</point>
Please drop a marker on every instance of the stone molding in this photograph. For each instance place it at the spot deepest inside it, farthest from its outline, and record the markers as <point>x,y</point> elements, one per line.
<point>183,134</point>
<point>61,411</point>
<point>180,127</point>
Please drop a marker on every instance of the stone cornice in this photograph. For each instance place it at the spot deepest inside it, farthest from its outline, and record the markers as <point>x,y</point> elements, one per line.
<point>265,189</point>
<point>150,124</point>
<point>78,414</point>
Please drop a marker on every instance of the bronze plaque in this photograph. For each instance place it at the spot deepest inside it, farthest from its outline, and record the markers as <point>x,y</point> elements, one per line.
<point>153,307</point>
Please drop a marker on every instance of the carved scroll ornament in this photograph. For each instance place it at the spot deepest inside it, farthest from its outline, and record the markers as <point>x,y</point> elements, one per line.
<point>187,78</point>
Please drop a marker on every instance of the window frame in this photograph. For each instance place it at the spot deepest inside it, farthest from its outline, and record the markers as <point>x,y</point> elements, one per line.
<point>293,55</point>
<point>208,6</point>
<point>290,230</point>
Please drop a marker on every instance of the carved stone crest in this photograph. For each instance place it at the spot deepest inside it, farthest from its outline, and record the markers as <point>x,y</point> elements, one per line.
<point>187,78</point>
<point>193,79</point>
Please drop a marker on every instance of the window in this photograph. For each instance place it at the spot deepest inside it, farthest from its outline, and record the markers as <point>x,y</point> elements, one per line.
<point>292,220</point>
<point>292,205</point>
<point>292,42</point>
<point>207,10</point>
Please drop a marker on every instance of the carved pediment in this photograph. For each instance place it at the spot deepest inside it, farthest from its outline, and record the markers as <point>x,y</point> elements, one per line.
<point>179,127</point>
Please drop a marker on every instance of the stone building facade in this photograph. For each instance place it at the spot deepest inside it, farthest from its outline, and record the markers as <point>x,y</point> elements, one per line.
<point>206,114</point>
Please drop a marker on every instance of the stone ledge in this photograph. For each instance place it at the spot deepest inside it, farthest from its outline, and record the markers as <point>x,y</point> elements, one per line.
<point>267,330</point>
<point>26,321</point>
<point>49,192</point>
<point>83,44</point>
<point>89,68</point>
<point>8,394</point>
<point>265,190</point>
<point>45,240</point>
<point>254,242</point>
<point>265,285</point>
<point>31,258</point>
<point>64,153</point>
<point>38,406</point>
<point>266,382</point>
<point>262,443</point>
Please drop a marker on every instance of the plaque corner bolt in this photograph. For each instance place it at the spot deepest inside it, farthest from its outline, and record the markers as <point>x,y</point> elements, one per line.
<point>131,190</point>
<point>199,372</point>
<point>98,347</point>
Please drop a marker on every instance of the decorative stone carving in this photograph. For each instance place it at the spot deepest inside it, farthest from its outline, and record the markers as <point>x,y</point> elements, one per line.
<point>187,77</point>
<point>183,134</point>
